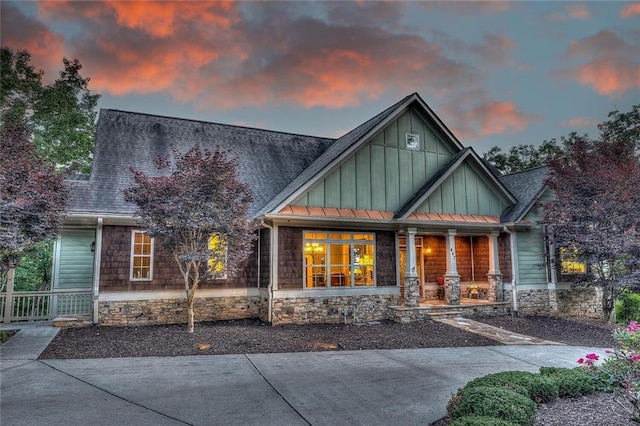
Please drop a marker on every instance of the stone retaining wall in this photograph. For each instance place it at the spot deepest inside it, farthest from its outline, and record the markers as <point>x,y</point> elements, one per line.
<point>303,310</point>
<point>580,302</point>
<point>575,302</point>
<point>174,311</point>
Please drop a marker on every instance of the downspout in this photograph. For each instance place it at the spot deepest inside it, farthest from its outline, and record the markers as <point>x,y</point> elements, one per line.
<point>96,269</point>
<point>514,268</point>
<point>271,272</point>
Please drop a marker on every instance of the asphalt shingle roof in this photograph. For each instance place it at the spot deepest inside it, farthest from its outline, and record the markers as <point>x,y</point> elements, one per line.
<point>275,164</point>
<point>526,186</point>
<point>267,160</point>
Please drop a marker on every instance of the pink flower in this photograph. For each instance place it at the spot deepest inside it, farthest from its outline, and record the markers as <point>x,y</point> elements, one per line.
<point>608,351</point>
<point>592,356</point>
<point>580,360</point>
<point>633,326</point>
<point>635,357</point>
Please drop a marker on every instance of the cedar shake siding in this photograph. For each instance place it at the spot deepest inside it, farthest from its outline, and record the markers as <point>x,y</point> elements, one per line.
<point>290,261</point>
<point>435,264</point>
<point>386,259</point>
<point>265,250</point>
<point>504,253</point>
<point>115,267</point>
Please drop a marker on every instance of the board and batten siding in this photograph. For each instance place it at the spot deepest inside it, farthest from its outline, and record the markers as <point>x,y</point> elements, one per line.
<point>464,192</point>
<point>75,259</point>
<point>531,256</point>
<point>383,174</point>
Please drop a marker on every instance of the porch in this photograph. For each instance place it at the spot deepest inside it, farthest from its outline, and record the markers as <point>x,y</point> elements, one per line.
<point>435,309</point>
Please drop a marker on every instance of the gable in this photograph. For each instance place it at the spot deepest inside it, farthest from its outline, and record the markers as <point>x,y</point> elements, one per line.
<point>466,192</point>
<point>382,174</point>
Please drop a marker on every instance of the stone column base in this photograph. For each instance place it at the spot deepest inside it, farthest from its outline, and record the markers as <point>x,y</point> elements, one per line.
<point>496,288</point>
<point>411,291</point>
<point>452,289</point>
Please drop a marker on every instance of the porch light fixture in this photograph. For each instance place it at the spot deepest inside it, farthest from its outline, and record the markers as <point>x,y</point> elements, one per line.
<point>428,251</point>
<point>93,246</point>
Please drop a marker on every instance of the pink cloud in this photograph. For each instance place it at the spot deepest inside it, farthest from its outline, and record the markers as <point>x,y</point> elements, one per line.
<point>218,55</point>
<point>610,63</point>
<point>20,32</point>
<point>580,122</point>
<point>496,49</point>
<point>475,114</point>
<point>470,8</point>
<point>578,11</point>
<point>630,10</point>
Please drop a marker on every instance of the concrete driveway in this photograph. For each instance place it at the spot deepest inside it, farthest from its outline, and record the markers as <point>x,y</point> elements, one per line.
<point>381,387</point>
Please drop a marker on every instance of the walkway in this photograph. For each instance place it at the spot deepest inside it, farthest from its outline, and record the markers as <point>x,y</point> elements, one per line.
<point>379,387</point>
<point>498,334</point>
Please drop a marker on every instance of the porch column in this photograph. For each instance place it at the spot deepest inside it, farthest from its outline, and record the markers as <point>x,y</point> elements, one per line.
<point>411,286</point>
<point>451,277</point>
<point>494,277</point>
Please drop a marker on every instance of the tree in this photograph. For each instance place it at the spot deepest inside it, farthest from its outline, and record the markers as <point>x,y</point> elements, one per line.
<point>32,197</point>
<point>595,215</point>
<point>198,213</point>
<point>523,157</point>
<point>623,125</point>
<point>61,116</point>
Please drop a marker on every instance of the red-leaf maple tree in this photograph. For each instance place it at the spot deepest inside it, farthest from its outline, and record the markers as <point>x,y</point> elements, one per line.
<point>200,200</point>
<point>32,196</point>
<point>595,215</point>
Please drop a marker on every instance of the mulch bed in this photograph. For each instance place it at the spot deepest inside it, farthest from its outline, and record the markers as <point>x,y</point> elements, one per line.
<point>252,336</point>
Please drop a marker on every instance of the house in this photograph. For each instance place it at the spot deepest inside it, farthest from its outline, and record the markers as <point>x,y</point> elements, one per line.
<point>390,220</point>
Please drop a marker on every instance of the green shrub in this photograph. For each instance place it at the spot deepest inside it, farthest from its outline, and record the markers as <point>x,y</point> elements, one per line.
<point>495,402</point>
<point>537,387</point>
<point>628,308</point>
<point>572,382</point>
<point>481,421</point>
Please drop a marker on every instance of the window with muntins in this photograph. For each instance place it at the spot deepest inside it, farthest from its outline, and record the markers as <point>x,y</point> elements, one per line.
<point>141,256</point>
<point>218,259</point>
<point>569,264</point>
<point>338,259</point>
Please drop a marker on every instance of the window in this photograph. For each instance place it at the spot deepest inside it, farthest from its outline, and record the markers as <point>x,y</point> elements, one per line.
<point>218,259</point>
<point>141,256</point>
<point>569,263</point>
<point>338,259</point>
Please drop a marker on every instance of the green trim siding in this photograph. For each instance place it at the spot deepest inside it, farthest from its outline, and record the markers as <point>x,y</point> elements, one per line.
<point>75,259</point>
<point>531,256</point>
<point>383,174</point>
<point>464,192</point>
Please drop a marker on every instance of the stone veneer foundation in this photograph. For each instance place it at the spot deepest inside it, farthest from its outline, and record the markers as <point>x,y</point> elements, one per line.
<point>575,302</point>
<point>332,309</point>
<point>174,311</point>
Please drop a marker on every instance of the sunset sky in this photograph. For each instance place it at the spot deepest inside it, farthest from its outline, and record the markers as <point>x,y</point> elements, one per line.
<point>497,73</point>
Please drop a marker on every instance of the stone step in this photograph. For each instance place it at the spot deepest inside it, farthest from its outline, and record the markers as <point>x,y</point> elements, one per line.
<point>72,322</point>
<point>444,314</point>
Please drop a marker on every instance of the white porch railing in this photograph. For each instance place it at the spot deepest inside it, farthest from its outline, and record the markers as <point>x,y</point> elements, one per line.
<point>45,305</point>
